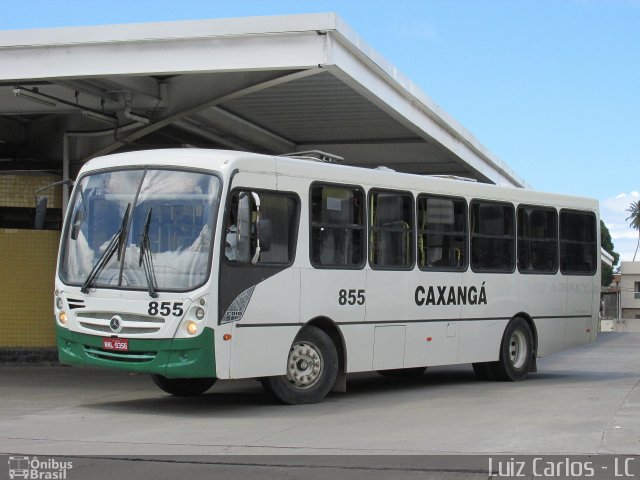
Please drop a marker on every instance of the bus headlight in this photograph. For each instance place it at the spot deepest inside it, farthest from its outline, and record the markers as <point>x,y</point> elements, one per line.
<point>62,317</point>
<point>59,303</point>
<point>199,313</point>
<point>192,328</point>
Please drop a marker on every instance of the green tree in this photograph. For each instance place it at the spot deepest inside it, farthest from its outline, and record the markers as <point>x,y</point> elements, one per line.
<point>634,221</point>
<point>606,275</point>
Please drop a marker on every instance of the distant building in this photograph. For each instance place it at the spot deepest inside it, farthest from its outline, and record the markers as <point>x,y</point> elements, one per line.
<point>610,294</point>
<point>610,307</point>
<point>630,289</point>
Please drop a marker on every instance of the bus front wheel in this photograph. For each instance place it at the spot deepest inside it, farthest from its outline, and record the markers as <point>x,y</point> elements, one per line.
<point>183,387</point>
<point>312,369</point>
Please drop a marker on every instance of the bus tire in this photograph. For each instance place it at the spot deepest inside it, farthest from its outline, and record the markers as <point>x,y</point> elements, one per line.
<point>183,387</point>
<point>516,352</point>
<point>414,372</point>
<point>312,369</point>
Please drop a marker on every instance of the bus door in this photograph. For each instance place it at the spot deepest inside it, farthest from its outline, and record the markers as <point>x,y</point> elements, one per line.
<point>259,290</point>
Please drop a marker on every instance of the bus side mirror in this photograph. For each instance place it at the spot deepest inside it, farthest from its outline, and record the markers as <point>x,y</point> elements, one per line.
<point>243,228</point>
<point>253,233</point>
<point>264,234</point>
<point>41,204</point>
<point>41,212</point>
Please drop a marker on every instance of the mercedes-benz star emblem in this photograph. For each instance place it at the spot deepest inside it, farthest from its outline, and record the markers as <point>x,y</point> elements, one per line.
<point>116,323</point>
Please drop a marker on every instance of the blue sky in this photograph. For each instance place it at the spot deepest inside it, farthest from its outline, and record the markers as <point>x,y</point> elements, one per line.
<point>552,87</point>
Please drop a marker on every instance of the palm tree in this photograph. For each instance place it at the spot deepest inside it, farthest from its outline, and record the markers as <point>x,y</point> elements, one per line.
<point>634,221</point>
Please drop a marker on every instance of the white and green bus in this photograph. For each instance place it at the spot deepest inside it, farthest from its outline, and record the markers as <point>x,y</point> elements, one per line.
<point>198,265</point>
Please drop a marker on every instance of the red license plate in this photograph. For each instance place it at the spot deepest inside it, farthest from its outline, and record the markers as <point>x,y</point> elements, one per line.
<point>118,344</point>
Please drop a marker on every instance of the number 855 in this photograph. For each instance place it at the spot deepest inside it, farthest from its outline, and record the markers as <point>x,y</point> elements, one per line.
<point>351,297</point>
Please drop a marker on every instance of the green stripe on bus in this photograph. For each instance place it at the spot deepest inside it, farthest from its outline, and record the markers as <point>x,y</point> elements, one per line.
<point>172,358</point>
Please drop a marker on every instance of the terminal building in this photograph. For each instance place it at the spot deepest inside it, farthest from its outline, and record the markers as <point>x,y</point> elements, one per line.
<point>270,85</point>
<point>630,290</point>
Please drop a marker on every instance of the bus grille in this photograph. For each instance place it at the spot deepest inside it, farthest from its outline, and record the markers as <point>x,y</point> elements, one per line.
<point>131,357</point>
<point>132,324</point>
<point>75,303</point>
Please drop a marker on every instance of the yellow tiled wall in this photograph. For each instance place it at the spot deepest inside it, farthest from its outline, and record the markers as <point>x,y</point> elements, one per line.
<point>27,268</point>
<point>19,190</point>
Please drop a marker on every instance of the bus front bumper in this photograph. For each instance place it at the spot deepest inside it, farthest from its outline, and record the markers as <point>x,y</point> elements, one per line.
<point>171,358</point>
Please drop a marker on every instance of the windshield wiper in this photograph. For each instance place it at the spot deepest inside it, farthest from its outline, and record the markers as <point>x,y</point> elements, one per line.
<point>115,245</point>
<point>146,259</point>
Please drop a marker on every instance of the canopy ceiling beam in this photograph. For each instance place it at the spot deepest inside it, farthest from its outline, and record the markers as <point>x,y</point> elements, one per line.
<point>222,119</point>
<point>166,119</point>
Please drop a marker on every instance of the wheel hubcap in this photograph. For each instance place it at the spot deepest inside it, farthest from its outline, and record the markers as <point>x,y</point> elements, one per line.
<point>305,364</point>
<point>517,349</point>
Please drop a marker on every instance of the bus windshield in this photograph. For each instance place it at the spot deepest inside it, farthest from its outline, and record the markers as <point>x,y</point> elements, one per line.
<point>119,217</point>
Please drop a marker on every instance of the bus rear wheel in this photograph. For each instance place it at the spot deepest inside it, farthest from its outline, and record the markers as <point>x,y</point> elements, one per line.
<point>516,354</point>
<point>183,387</point>
<point>312,369</point>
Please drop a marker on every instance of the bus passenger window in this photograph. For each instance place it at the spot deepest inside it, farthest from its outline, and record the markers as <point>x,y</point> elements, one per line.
<point>492,237</point>
<point>337,226</point>
<point>578,243</point>
<point>537,240</point>
<point>391,230</point>
<point>442,233</point>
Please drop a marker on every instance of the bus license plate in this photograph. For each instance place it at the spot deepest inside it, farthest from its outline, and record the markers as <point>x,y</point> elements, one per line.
<point>118,344</point>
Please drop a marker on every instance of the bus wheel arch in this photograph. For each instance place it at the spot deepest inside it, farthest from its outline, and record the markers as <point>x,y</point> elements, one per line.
<point>534,332</point>
<point>518,349</point>
<point>312,369</point>
<point>183,387</point>
<point>329,327</point>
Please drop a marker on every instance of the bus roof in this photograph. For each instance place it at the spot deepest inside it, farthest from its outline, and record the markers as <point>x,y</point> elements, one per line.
<point>226,161</point>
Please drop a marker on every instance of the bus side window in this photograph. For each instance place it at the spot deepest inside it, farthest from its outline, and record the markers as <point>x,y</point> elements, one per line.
<point>337,226</point>
<point>391,220</point>
<point>537,239</point>
<point>578,243</point>
<point>492,237</point>
<point>442,233</point>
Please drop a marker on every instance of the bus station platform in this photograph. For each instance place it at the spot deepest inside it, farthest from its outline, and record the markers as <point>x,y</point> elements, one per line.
<point>584,401</point>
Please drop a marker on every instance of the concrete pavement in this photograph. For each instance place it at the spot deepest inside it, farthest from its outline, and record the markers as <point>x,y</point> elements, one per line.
<point>583,401</point>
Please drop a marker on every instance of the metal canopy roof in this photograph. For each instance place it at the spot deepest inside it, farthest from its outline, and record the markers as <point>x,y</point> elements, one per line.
<point>263,84</point>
